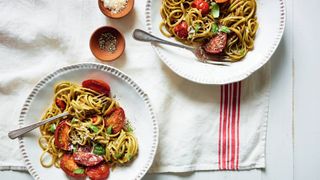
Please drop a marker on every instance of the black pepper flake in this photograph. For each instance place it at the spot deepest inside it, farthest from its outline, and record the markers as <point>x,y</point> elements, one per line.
<point>108,42</point>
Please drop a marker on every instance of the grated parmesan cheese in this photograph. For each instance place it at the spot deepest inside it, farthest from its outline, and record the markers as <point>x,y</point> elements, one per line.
<point>115,5</point>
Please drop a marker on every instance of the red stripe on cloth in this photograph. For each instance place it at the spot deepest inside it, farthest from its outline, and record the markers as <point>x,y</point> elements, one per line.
<point>224,126</point>
<point>233,120</point>
<point>238,120</point>
<point>229,124</point>
<point>220,124</point>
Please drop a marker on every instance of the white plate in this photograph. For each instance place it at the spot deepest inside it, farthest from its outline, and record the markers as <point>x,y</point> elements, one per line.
<point>131,97</point>
<point>271,18</point>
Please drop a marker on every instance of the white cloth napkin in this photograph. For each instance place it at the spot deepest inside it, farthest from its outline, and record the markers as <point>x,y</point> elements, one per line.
<point>202,127</point>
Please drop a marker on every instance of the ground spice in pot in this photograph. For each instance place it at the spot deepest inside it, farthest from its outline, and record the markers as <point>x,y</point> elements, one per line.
<point>108,42</point>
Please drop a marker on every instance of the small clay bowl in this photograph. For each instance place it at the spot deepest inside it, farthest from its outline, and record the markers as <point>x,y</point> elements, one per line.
<point>118,15</point>
<point>103,54</point>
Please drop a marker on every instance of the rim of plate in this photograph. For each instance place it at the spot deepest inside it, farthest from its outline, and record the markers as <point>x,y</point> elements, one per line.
<point>95,66</point>
<point>234,78</point>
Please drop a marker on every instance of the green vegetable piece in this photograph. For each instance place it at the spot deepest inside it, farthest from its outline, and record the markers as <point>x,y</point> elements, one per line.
<point>74,148</point>
<point>197,27</point>
<point>215,10</point>
<point>129,129</point>
<point>52,128</point>
<point>109,130</point>
<point>224,29</point>
<point>214,28</point>
<point>78,171</point>
<point>99,150</point>
<point>94,128</point>
<point>118,156</point>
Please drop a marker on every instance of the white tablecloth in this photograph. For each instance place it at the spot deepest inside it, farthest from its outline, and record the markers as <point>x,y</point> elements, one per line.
<point>202,127</point>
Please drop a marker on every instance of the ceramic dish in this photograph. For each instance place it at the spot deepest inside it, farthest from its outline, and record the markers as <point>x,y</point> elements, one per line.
<point>128,93</point>
<point>271,18</point>
<point>121,14</point>
<point>103,54</point>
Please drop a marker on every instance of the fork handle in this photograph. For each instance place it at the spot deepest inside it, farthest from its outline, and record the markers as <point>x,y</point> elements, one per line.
<point>144,36</point>
<point>19,132</point>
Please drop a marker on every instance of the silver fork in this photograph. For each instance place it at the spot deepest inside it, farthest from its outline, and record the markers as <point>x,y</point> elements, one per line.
<point>198,51</point>
<point>21,131</point>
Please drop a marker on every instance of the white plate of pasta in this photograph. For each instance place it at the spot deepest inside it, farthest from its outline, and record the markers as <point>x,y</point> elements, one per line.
<point>110,131</point>
<point>245,32</point>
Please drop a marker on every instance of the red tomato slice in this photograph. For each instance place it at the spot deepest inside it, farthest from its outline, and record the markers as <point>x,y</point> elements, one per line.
<point>216,44</point>
<point>61,138</point>
<point>195,3</point>
<point>204,7</point>
<point>98,172</point>
<point>84,157</point>
<point>97,85</point>
<point>68,165</point>
<point>61,104</point>
<point>117,120</point>
<point>181,30</point>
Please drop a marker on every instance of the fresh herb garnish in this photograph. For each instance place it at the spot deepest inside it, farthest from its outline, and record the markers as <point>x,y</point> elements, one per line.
<point>197,27</point>
<point>52,128</point>
<point>94,128</point>
<point>214,28</point>
<point>109,130</point>
<point>99,150</point>
<point>78,171</point>
<point>215,10</point>
<point>74,148</point>
<point>118,156</point>
<point>224,29</point>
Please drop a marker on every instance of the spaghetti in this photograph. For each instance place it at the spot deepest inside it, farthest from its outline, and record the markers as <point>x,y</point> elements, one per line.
<point>96,123</point>
<point>237,18</point>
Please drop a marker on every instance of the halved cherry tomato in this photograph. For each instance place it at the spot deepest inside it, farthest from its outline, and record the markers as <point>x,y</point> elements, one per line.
<point>216,44</point>
<point>68,165</point>
<point>97,85</point>
<point>181,30</point>
<point>98,172</point>
<point>117,120</point>
<point>220,1</point>
<point>202,5</point>
<point>195,3</point>
<point>61,138</point>
<point>61,104</point>
<point>204,8</point>
<point>85,157</point>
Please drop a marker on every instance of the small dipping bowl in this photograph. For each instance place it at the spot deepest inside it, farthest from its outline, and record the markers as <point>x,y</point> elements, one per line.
<point>118,15</point>
<point>104,54</point>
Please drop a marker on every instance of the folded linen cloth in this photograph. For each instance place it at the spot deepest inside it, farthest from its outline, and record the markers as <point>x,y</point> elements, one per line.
<point>202,127</point>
